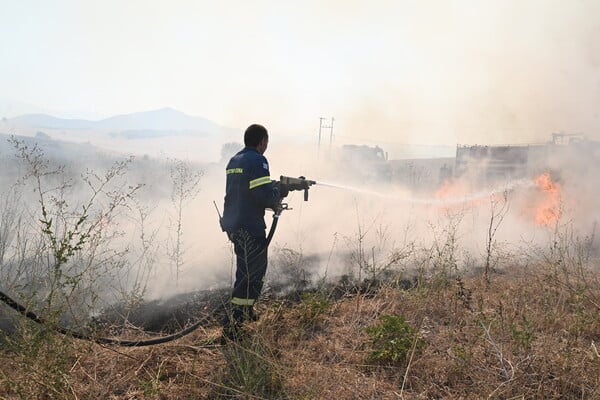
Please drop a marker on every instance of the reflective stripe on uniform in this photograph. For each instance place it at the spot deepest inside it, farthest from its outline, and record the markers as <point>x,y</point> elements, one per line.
<point>260,181</point>
<point>238,301</point>
<point>235,171</point>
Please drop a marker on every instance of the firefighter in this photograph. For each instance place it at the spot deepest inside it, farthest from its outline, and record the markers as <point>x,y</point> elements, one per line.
<point>248,192</point>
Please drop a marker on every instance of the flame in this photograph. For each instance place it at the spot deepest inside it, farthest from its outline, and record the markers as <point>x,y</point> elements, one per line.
<point>443,191</point>
<point>548,210</point>
<point>453,195</point>
<point>449,190</point>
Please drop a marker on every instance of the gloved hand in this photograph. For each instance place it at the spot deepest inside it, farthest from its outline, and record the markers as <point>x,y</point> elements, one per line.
<point>278,208</point>
<point>283,189</point>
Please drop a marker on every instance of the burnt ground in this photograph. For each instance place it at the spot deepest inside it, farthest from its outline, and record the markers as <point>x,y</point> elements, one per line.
<point>163,316</point>
<point>166,315</point>
<point>208,307</point>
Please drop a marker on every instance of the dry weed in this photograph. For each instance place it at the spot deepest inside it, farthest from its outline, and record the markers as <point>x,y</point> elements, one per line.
<point>524,336</point>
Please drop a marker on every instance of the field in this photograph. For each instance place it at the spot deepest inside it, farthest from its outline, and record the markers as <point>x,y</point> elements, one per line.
<point>408,320</point>
<point>530,333</point>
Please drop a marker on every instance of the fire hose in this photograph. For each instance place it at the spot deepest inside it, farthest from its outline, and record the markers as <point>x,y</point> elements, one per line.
<point>100,340</point>
<point>293,184</point>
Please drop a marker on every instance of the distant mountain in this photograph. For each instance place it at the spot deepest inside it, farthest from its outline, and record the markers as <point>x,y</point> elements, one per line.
<point>44,121</point>
<point>59,150</point>
<point>161,120</point>
<point>11,108</point>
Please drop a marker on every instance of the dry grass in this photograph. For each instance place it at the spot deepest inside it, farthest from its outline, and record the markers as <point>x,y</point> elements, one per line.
<point>526,335</point>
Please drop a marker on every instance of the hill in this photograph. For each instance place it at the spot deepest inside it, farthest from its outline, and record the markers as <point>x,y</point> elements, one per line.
<point>164,120</point>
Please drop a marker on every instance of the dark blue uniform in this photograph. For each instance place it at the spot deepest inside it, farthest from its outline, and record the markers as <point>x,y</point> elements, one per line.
<point>249,190</point>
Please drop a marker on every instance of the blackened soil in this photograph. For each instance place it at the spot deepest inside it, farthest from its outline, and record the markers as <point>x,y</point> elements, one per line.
<point>166,316</point>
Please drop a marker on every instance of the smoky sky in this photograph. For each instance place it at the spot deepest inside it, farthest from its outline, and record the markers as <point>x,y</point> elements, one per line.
<point>426,72</point>
<point>422,72</point>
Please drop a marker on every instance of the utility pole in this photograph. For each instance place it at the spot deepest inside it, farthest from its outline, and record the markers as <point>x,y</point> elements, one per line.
<point>325,124</point>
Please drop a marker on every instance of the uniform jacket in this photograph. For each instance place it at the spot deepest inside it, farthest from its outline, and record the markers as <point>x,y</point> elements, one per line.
<point>248,191</point>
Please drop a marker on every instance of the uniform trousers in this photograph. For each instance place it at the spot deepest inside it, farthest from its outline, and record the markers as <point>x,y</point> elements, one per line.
<point>251,266</point>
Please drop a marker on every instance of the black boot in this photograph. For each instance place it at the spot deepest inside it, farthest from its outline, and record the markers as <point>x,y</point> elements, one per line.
<point>231,332</point>
<point>249,314</point>
<point>232,323</point>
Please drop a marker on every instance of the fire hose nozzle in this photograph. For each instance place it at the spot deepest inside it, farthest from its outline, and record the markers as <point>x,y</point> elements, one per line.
<point>300,183</point>
<point>281,207</point>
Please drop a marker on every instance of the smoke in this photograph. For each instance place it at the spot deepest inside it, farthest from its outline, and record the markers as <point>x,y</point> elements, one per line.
<point>381,216</point>
<point>361,214</point>
<point>433,72</point>
<point>427,72</point>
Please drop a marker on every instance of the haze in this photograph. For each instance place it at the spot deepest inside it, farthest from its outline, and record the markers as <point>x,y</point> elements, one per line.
<point>423,72</point>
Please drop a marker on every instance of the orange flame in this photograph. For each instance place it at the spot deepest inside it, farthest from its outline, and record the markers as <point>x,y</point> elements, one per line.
<point>548,210</point>
<point>449,189</point>
<point>443,191</point>
<point>455,192</point>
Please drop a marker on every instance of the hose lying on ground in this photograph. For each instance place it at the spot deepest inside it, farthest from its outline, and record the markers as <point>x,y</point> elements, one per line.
<point>101,340</point>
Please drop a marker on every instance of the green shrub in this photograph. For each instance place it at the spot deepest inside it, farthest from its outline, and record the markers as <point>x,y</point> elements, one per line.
<point>393,340</point>
<point>313,305</point>
<point>524,334</point>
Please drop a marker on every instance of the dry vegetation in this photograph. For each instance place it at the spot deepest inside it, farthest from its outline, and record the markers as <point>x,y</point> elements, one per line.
<point>531,332</point>
<point>497,329</point>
